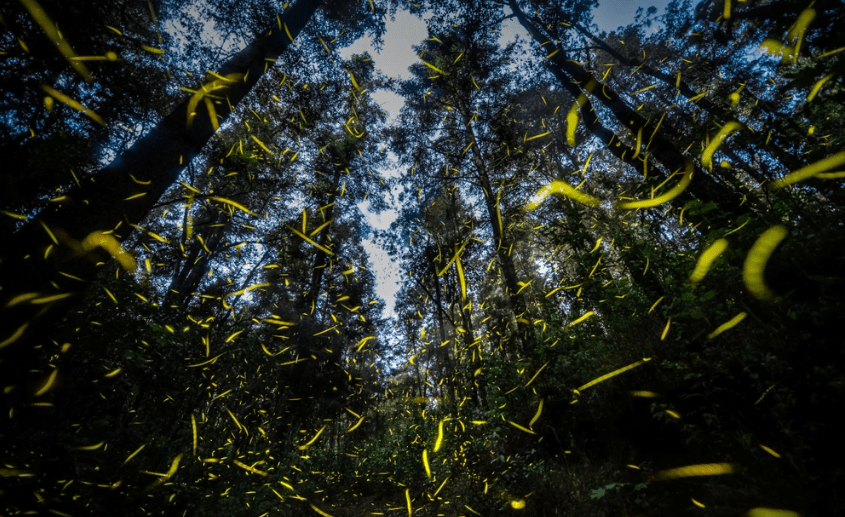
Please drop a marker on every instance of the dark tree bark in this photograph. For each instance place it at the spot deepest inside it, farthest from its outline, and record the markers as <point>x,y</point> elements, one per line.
<point>101,205</point>
<point>573,77</point>
<point>322,260</point>
<point>503,248</point>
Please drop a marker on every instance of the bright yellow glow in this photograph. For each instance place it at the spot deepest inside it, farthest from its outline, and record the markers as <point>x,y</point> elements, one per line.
<point>612,374</point>
<point>50,29</point>
<point>818,86</point>
<point>668,196</point>
<point>439,440</point>
<point>644,394</point>
<point>702,266</point>
<point>572,115</point>
<point>194,429</point>
<point>234,204</point>
<point>665,330</point>
<point>725,326</point>
<point>425,463</point>
<point>61,97</point>
<point>755,262</point>
<point>771,512</point>
<point>707,469</point>
<point>248,468</point>
<point>582,318</point>
<point>356,425</point>
<point>321,512</point>
<point>133,454</point>
<point>564,189</point>
<point>219,83</point>
<point>536,415</point>
<point>521,428</point>
<point>716,141</point>
<point>770,451</point>
<point>113,247</point>
<point>810,170</point>
<point>48,384</point>
<point>303,447</point>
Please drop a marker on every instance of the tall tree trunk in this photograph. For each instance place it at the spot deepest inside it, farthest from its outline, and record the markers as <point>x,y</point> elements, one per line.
<point>571,74</point>
<point>321,259</point>
<point>683,87</point>
<point>518,307</point>
<point>194,266</point>
<point>450,363</point>
<point>188,286</point>
<point>102,205</point>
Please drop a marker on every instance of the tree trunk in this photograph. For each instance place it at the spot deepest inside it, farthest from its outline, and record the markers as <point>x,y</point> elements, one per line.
<point>102,205</point>
<point>571,74</point>
<point>321,259</point>
<point>503,245</point>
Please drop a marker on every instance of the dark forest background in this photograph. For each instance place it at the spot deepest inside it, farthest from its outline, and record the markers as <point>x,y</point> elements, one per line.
<point>621,254</point>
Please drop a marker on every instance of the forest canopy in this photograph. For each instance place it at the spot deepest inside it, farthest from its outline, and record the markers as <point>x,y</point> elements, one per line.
<point>621,259</point>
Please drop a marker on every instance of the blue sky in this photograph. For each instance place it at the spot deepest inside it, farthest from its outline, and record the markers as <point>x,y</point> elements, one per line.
<point>393,60</point>
<point>612,14</point>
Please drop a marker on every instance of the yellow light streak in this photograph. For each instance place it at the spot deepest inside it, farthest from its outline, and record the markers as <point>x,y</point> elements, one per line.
<point>537,415</point>
<point>810,171</point>
<point>536,374</point>
<point>358,423</point>
<point>541,135</point>
<point>61,97</point>
<point>194,430</point>
<point>818,86</point>
<point>702,266</point>
<point>234,204</point>
<point>213,359</point>
<point>771,512</point>
<point>309,241</point>
<point>755,262</point>
<point>666,330</point>
<point>582,318</point>
<point>425,463</point>
<point>439,440</point>
<point>52,32</point>
<point>321,512</point>
<point>15,335</point>
<point>668,196</point>
<point>564,189</point>
<point>655,304</point>
<point>572,115</point>
<point>303,447</point>
<point>613,374</point>
<point>716,141</point>
<point>725,326</point>
<point>109,243</point>
<point>524,429</point>
<point>770,451</point>
<point>439,71</point>
<point>707,469</point>
<point>249,469</point>
<point>133,454</point>
<point>48,384</point>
